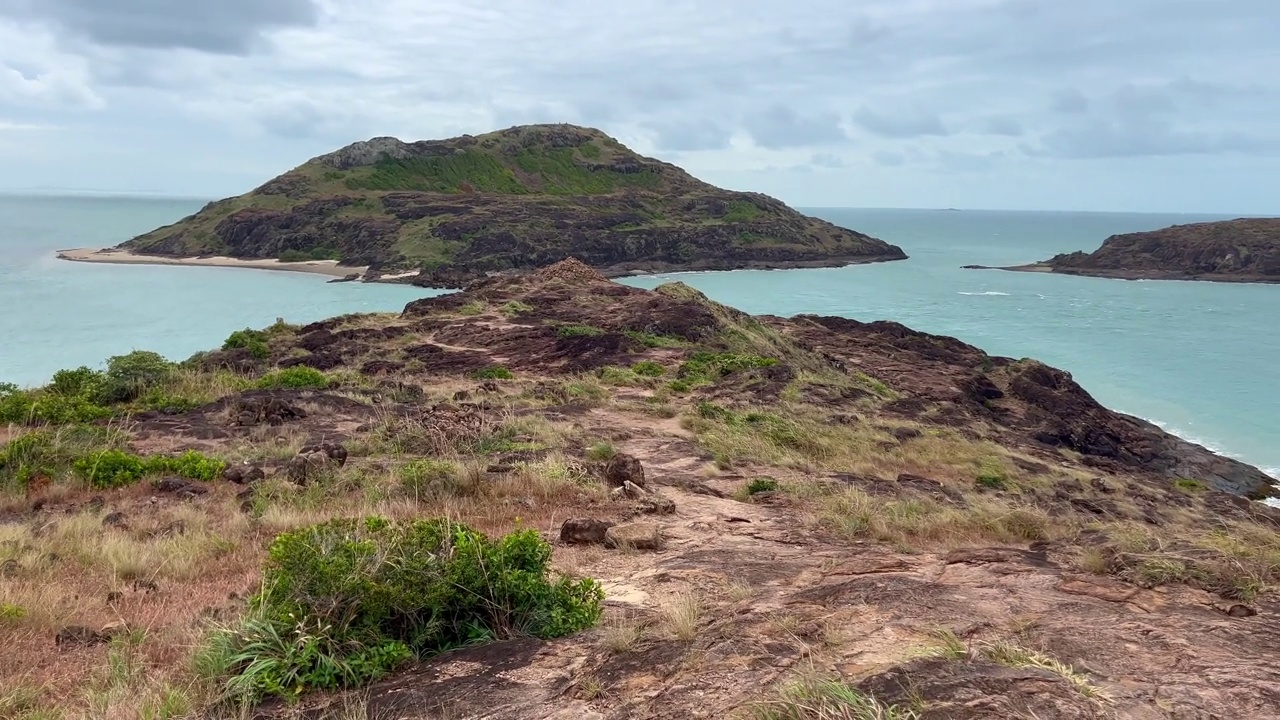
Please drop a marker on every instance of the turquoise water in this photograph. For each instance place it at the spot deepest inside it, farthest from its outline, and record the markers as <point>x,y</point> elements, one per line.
<point>60,314</point>
<point>1198,358</point>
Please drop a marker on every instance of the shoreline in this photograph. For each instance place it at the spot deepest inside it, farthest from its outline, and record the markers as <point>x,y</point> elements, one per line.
<point>115,256</point>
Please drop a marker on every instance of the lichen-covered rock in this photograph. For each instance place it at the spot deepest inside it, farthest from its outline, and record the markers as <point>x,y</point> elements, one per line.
<point>635,536</point>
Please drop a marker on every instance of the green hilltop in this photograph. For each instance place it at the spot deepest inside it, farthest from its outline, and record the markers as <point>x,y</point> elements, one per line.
<point>513,199</point>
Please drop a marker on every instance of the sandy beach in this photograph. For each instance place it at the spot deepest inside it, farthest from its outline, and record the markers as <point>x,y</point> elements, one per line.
<point>124,257</point>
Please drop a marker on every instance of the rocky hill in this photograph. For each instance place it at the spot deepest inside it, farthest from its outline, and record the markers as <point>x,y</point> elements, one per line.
<point>788,519</point>
<point>1243,250</point>
<point>514,199</point>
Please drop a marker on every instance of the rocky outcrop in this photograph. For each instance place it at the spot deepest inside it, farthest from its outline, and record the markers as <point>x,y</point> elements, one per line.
<point>443,213</point>
<point>1243,250</point>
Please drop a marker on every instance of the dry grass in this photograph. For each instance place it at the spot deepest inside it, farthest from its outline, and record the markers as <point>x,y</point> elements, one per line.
<point>682,615</point>
<point>621,635</point>
<point>1013,655</point>
<point>817,698</point>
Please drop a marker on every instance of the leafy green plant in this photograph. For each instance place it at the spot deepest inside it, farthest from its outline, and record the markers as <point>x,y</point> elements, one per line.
<point>129,376</point>
<point>493,372</point>
<point>110,469</point>
<point>255,341</point>
<point>347,600</point>
<point>762,484</point>
<point>648,368</point>
<point>80,381</point>
<point>191,464</point>
<point>296,377</point>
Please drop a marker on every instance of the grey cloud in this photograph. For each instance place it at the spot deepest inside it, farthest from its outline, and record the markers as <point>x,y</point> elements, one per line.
<point>1070,102</point>
<point>827,160</point>
<point>889,158</point>
<point>1113,139</point>
<point>690,135</point>
<point>781,127</point>
<point>900,124</point>
<point>216,26</point>
<point>1006,126</point>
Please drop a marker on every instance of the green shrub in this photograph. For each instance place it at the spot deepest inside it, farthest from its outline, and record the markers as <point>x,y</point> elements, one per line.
<point>110,469</point>
<point>114,468</point>
<point>191,464</point>
<point>296,377</point>
<point>81,381</point>
<point>130,376</point>
<point>49,453</point>
<point>493,372</point>
<point>648,368</point>
<point>571,331</point>
<point>255,341</point>
<point>762,484</point>
<point>348,600</point>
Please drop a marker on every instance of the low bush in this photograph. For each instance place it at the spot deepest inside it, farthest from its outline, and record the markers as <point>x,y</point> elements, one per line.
<point>346,601</point>
<point>493,372</point>
<point>703,367</point>
<point>255,341</point>
<point>648,368</point>
<point>129,376</point>
<point>115,468</point>
<point>49,453</point>
<point>297,377</point>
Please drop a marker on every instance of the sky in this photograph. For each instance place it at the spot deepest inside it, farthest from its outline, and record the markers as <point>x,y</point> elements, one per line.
<point>1109,105</point>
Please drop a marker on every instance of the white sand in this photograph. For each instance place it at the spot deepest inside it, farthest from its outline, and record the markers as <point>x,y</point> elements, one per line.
<point>125,257</point>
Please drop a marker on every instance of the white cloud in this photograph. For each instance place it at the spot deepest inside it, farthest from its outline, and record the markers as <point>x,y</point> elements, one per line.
<point>213,98</point>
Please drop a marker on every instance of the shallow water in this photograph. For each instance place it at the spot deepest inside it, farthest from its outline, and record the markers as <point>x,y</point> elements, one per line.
<point>1198,358</point>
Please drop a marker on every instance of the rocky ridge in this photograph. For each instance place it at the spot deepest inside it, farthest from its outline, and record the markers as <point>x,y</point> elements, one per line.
<point>1241,250</point>
<point>442,213</point>
<point>774,506</point>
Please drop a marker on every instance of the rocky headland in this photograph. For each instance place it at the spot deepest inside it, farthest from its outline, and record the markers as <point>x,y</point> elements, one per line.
<point>442,213</point>
<point>1243,250</point>
<point>786,519</point>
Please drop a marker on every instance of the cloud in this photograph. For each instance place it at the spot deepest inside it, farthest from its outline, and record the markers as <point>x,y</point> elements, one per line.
<point>780,126</point>
<point>908,124</point>
<point>921,90</point>
<point>217,26</point>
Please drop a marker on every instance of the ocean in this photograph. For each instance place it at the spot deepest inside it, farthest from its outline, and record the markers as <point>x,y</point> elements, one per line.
<point>1195,358</point>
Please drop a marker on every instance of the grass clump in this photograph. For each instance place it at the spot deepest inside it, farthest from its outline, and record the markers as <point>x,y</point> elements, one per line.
<point>762,484</point>
<point>572,331</point>
<point>1012,655</point>
<point>50,453</point>
<point>649,369</point>
<point>493,372</point>
<point>433,479</point>
<point>346,601</point>
<point>297,377</point>
<point>651,340</point>
<point>601,451</point>
<point>1190,485</point>
<point>472,308</point>
<point>515,307</point>
<point>825,699</point>
<point>707,367</point>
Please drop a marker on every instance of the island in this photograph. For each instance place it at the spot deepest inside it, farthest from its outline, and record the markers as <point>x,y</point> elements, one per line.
<point>443,213</point>
<point>1242,250</point>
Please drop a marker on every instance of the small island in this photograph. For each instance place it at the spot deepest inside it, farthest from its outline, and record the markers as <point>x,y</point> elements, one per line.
<point>1242,250</point>
<point>443,213</point>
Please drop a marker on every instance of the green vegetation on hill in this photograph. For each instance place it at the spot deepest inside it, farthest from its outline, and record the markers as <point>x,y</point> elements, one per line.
<point>514,199</point>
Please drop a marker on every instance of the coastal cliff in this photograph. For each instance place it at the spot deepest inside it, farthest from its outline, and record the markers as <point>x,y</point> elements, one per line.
<point>442,213</point>
<point>1242,250</point>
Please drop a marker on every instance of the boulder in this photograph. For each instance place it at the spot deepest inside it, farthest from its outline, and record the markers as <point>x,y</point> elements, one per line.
<point>180,486</point>
<point>623,468</point>
<point>584,531</point>
<point>635,536</point>
<point>243,474</point>
<point>315,462</point>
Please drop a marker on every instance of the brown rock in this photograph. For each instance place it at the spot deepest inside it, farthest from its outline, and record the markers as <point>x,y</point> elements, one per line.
<point>1239,611</point>
<point>635,536</point>
<point>623,468</point>
<point>181,487</point>
<point>584,531</point>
